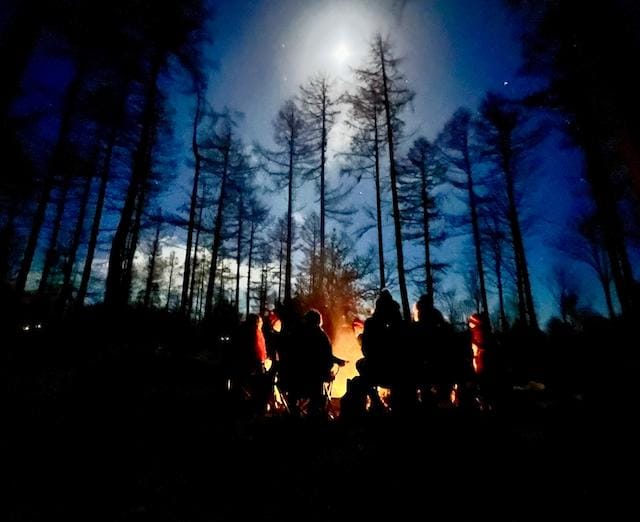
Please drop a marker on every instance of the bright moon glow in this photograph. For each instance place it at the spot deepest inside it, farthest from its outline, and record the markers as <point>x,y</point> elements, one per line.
<point>341,53</point>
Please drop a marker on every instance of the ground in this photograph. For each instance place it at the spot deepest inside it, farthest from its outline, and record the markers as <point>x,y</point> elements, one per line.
<point>154,437</point>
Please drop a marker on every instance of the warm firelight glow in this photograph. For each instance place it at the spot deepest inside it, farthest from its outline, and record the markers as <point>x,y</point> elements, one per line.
<point>476,350</point>
<point>277,325</point>
<point>453,396</point>
<point>345,346</point>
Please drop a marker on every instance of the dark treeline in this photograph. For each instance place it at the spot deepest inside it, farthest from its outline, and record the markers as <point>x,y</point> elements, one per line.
<point>85,172</point>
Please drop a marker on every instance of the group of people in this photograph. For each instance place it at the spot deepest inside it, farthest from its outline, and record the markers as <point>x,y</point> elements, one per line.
<point>289,349</point>
<point>425,362</point>
<point>421,362</point>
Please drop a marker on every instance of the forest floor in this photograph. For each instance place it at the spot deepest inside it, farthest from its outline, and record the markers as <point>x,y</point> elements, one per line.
<point>137,438</point>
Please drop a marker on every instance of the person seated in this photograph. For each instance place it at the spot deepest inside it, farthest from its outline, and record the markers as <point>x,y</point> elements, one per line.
<point>313,361</point>
<point>383,341</point>
<point>249,363</point>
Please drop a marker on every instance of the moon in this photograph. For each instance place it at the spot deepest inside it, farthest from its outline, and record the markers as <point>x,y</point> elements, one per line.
<point>341,52</point>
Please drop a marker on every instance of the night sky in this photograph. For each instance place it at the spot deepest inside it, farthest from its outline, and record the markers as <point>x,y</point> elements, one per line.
<point>454,52</point>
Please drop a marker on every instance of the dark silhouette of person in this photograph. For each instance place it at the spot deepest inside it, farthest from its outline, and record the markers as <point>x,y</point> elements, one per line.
<point>313,361</point>
<point>483,350</point>
<point>430,340</point>
<point>383,337</point>
<point>248,363</point>
<point>286,343</point>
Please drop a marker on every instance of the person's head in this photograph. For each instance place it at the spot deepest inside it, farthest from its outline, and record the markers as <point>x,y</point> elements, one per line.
<point>386,306</point>
<point>475,321</point>
<point>424,308</point>
<point>313,318</point>
<point>254,321</point>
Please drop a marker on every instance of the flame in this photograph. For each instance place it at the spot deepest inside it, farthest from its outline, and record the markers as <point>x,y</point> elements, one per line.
<point>345,346</point>
<point>476,354</point>
<point>453,396</point>
<point>277,325</point>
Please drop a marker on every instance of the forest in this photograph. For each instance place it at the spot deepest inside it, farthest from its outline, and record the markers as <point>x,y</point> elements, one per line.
<point>145,220</point>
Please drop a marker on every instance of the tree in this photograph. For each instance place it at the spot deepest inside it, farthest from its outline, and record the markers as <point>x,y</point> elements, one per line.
<point>54,166</point>
<point>418,178</point>
<point>586,245</point>
<point>173,262</point>
<point>67,284</point>
<point>564,45</point>
<point>197,161</point>
<point>506,139</point>
<point>229,165</point>
<point>288,164</point>
<point>367,142</point>
<point>455,144</point>
<point>196,260</point>
<point>279,237</point>
<point>345,282</point>
<point>257,215</point>
<point>155,265</point>
<point>319,111</point>
<point>495,236</point>
<point>167,30</point>
<point>383,69</point>
<point>309,269</point>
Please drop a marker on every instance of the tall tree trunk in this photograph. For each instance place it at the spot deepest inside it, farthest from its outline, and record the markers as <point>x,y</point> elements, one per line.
<point>263,289</point>
<point>67,285</point>
<point>525,296</point>
<point>118,284</point>
<point>404,296</point>
<point>192,209</point>
<point>376,144</point>
<point>475,225</point>
<point>222,281</point>
<point>67,272</point>
<point>249,263</point>
<point>313,268</point>
<point>606,289</point>
<point>171,268</point>
<point>51,255</point>
<point>280,260</point>
<point>153,258</point>
<point>195,254</point>
<point>323,146</point>
<point>428,269</point>
<point>55,161</point>
<point>6,239</point>
<point>217,235</point>
<point>498,268</point>
<point>201,290</point>
<point>287,266</point>
<point>97,217</point>
<point>612,229</point>
<point>239,253</point>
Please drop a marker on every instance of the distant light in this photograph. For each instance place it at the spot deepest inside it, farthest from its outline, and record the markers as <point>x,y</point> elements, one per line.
<point>505,83</point>
<point>284,45</point>
<point>25,328</point>
<point>341,53</point>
